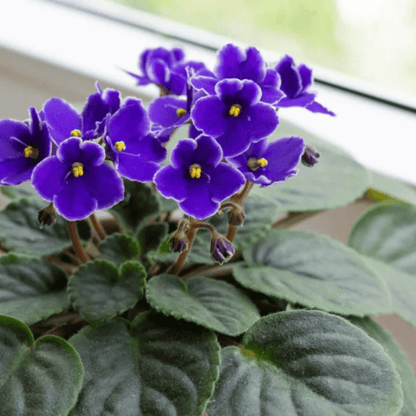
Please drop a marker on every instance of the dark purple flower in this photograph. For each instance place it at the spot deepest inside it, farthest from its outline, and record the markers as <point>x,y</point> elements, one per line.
<point>267,163</point>
<point>196,178</point>
<point>167,69</point>
<point>296,82</point>
<point>235,117</point>
<point>64,121</point>
<point>232,62</point>
<point>310,156</point>
<point>221,249</point>
<point>23,145</point>
<point>135,152</point>
<point>77,180</point>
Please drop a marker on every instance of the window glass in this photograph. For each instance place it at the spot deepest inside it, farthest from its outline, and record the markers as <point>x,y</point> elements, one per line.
<point>371,39</point>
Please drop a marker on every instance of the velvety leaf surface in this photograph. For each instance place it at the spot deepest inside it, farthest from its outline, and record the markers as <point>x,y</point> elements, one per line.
<point>139,202</point>
<point>334,181</point>
<point>31,289</point>
<point>160,367</point>
<point>100,291</point>
<point>20,232</point>
<point>119,248</point>
<point>23,190</point>
<point>43,380</point>
<point>151,235</point>
<point>208,302</point>
<point>306,363</point>
<point>383,187</point>
<point>379,334</point>
<point>314,271</point>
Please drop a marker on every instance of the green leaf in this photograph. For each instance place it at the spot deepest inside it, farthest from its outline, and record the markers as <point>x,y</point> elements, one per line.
<point>23,190</point>
<point>379,334</point>
<point>314,271</point>
<point>100,291</point>
<point>119,248</point>
<point>211,303</point>
<point>31,289</point>
<point>334,181</point>
<point>20,232</point>
<point>306,363</point>
<point>383,187</point>
<point>151,235</point>
<point>160,367</point>
<point>139,203</point>
<point>44,380</point>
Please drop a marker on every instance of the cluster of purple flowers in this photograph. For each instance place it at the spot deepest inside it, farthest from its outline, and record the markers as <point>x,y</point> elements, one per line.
<point>76,160</point>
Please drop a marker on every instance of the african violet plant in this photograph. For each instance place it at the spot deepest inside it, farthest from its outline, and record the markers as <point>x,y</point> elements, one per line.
<point>170,307</point>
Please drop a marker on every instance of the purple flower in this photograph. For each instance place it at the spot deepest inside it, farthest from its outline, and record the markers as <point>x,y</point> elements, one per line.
<point>167,69</point>
<point>134,151</point>
<point>267,163</point>
<point>23,145</point>
<point>197,179</point>
<point>232,62</point>
<point>64,121</point>
<point>235,117</point>
<point>221,249</point>
<point>310,156</point>
<point>295,84</point>
<point>77,180</point>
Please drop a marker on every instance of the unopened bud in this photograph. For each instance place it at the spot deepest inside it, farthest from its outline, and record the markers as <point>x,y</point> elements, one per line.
<point>178,242</point>
<point>47,215</point>
<point>310,156</point>
<point>236,216</point>
<point>221,249</point>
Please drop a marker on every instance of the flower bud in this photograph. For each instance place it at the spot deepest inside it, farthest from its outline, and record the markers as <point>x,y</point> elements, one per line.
<point>179,242</point>
<point>47,216</point>
<point>221,249</point>
<point>310,156</point>
<point>236,216</point>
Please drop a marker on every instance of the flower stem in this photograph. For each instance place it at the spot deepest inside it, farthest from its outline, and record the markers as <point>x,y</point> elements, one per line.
<point>98,227</point>
<point>76,243</point>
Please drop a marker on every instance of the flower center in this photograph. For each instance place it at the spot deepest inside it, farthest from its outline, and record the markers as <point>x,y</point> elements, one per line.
<point>195,171</point>
<point>180,112</point>
<point>76,133</point>
<point>235,110</point>
<point>29,151</point>
<point>120,146</point>
<point>253,163</point>
<point>77,169</point>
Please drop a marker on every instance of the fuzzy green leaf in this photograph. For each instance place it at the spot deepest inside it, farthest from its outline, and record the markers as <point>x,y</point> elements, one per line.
<point>379,334</point>
<point>44,380</point>
<point>139,203</point>
<point>100,291</point>
<point>314,271</point>
<point>20,232</point>
<point>24,190</point>
<point>119,248</point>
<point>31,289</point>
<point>151,235</point>
<point>159,367</point>
<point>306,363</point>
<point>211,303</point>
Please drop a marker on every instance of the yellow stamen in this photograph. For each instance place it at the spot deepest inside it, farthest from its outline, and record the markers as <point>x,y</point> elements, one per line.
<point>195,171</point>
<point>253,163</point>
<point>235,110</point>
<point>77,169</point>
<point>120,146</point>
<point>262,162</point>
<point>29,151</point>
<point>76,133</point>
<point>180,112</point>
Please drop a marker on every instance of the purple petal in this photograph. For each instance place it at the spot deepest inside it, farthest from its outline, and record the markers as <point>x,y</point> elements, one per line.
<point>306,76</point>
<point>229,58</point>
<point>74,202</point>
<point>151,149</point>
<point>263,120</point>
<point>315,107</point>
<point>163,110</point>
<point>272,79</point>
<point>15,171</point>
<point>92,154</point>
<point>193,132</point>
<point>40,135</point>
<point>300,101</point>
<point>158,71</point>
<point>225,181</point>
<point>11,148</point>
<point>161,54</point>
<point>176,84</point>
<point>205,83</point>
<point>140,80</point>
<point>75,150</point>
<point>172,182</point>
<point>235,91</point>
<point>178,54</point>
<point>143,59</point>
<point>236,138</point>
<point>182,154</point>
<point>112,99</point>
<point>94,110</point>
<point>253,67</point>
<point>104,185</point>
<point>291,81</point>
<point>199,204</point>
<point>271,95</point>
<point>208,152</point>
<point>136,167</point>
<point>208,115</point>
<point>61,118</point>
<point>48,177</point>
